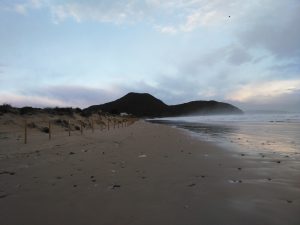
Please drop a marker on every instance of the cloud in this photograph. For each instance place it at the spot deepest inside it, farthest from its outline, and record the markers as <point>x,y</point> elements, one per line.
<point>21,7</point>
<point>101,11</point>
<point>29,100</point>
<point>166,29</point>
<point>273,29</point>
<point>264,91</point>
<point>62,95</point>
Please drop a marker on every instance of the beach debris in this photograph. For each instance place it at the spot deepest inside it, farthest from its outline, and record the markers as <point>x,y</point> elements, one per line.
<point>91,177</point>
<point>239,168</point>
<point>289,201</point>
<point>74,185</point>
<point>242,154</point>
<point>235,181</point>
<point>278,161</point>
<point>7,172</point>
<point>269,179</point>
<point>71,153</point>
<point>192,185</point>
<point>94,180</point>
<point>142,156</point>
<point>262,155</point>
<point>115,186</point>
<point>203,176</point>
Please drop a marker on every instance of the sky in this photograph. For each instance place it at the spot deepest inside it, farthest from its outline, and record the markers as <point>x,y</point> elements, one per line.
<point>84,52</point>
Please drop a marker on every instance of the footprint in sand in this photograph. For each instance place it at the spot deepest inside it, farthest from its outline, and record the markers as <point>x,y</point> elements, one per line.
<point>3,195</point>
<point>7,172</point>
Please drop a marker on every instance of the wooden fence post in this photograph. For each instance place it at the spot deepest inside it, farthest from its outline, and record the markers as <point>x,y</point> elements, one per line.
<point>69,128</point>
<point>25,132</point>
<point>92,126</point>
<point>49,130</point>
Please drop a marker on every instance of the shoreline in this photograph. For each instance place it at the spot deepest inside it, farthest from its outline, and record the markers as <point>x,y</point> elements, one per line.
<point>143,174</point>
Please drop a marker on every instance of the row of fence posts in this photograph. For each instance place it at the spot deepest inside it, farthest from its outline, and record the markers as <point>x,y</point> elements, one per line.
<point>81,127</point>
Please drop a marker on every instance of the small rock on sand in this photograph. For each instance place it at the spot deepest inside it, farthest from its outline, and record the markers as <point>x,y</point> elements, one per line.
<point>115,186</point>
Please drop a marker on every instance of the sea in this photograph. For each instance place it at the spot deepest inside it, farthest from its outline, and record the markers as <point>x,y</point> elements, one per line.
<point>251,132</point>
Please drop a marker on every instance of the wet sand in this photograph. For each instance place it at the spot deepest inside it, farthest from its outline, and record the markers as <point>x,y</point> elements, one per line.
<point>139,175</point>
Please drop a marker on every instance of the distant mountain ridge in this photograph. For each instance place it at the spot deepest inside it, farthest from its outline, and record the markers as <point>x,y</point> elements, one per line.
<point>146,105</point>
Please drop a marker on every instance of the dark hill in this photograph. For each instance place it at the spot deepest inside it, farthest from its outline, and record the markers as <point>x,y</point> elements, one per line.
<point>203,108</point>
<point>138,104</point>
<point>145,105</point>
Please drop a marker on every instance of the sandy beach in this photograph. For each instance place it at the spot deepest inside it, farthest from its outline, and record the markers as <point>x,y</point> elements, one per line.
<point>143,174</point>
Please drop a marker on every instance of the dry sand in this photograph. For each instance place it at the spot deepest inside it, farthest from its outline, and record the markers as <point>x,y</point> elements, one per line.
<point>144,174</point>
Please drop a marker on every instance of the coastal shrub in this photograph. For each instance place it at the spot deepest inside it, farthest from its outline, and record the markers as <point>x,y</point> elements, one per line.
<point>77,110</point>
<point>115,112</point>
<point>31,125</point>
<point>86,113</point>
<point>45,130</point>
<point>7,108</point>
<point>60,111</point>
<point>61,122</point>
<point>27,110</point>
